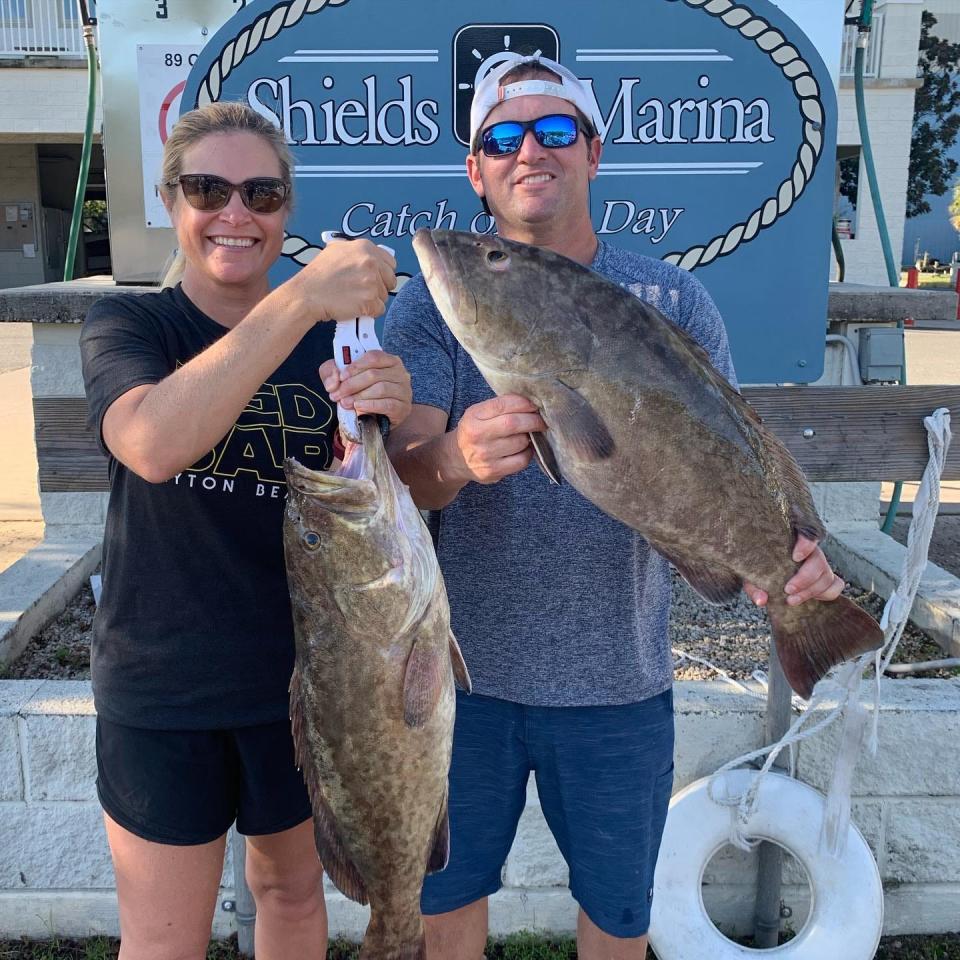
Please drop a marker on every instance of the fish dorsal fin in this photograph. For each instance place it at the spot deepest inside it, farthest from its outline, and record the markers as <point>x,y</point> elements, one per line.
<point>423,681</point>
<point>778,463</point>
<point>714,584</point>
<point>578,423</point>
<point>440,850</point>
<point>714,376</point>
<point>460,673</point>
<point>326,834</point>
<point>545,458</point>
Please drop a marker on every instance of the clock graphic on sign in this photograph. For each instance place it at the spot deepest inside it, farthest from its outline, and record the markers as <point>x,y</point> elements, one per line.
<point>479,47</point>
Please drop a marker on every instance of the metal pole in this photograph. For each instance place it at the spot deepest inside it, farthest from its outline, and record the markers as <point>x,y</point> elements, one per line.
<point>766,917</point>
<point>246,909</point>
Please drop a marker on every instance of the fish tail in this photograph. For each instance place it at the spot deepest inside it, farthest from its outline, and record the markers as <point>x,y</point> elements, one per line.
<point>389,942</point>
<point>817,635</point>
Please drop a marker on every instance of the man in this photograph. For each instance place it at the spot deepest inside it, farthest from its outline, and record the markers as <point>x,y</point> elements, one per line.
<point>560,610</point>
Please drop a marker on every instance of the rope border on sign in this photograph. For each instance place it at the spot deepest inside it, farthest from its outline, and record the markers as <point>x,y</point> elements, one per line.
<point>264,28</point>
<point>735,15</point>
<point>772,42</point>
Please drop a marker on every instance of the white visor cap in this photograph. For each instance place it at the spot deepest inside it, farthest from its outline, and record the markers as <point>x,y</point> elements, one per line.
<point>488,92</point>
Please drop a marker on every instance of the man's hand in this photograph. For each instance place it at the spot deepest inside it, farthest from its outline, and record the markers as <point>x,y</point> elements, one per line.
<point>815,580</point>
<point>492,440</point>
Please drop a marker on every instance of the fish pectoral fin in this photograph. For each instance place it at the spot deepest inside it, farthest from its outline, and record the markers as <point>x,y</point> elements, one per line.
<point>423,681</point>
<point>545,458</point>
<point>440,850</point>
<point>714,584</point>
<point>815,636</point>
<point>333,856</point>
<point>579,424</point>
<point>326,835</point>
<point>460,673</point>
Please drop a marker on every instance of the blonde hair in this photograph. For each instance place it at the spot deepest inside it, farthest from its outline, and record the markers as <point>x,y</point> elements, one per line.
<point>226,116</point>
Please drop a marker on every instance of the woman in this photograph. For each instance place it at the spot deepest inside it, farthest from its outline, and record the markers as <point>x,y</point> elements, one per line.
<point>197,393</point>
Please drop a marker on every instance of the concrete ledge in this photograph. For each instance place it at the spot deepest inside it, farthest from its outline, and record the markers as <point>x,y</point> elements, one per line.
<point>863,303</point>
<point>65,302</point>
<point>68,302</point>
<point>869,557</point>
<point>40,584</point>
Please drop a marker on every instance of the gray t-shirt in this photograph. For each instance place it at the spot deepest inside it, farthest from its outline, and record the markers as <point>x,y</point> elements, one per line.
<point>554,603</point>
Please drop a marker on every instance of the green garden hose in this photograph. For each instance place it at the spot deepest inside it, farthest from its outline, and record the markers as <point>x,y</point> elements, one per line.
<point>893,275</point>
<point>76,221</point>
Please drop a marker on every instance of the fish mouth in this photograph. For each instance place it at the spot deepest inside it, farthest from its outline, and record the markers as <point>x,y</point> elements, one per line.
<point>333,492</point>
<point>446,295</point>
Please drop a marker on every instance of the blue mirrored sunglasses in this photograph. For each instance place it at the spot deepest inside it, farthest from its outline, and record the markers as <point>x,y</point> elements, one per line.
<point>553,131</point>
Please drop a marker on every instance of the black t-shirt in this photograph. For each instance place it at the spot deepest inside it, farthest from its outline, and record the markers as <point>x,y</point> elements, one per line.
<point>193,629</point>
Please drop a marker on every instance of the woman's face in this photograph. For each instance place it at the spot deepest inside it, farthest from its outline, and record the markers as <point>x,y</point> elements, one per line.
<point>234,246</point>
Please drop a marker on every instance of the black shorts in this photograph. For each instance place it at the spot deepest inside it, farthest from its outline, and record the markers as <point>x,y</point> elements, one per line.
<point>187,786</point>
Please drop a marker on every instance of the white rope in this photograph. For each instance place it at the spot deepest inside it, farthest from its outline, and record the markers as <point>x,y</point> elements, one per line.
<point>844,685</point>
<point>807,91</point>
<point>926,505</point>
<point>736,684</point>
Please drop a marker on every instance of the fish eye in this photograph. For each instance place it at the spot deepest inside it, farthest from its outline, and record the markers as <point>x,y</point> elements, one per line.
<point>497,259</point>
<point>311,540</point>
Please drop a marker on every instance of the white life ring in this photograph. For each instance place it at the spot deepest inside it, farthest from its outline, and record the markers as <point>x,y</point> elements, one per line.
<point>846,904</point>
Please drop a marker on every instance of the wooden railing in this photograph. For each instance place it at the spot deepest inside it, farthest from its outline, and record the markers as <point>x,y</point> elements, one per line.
<point>835,433</point>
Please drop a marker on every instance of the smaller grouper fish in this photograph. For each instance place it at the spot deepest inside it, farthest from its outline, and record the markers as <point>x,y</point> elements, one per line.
<point>372,694</point>
<point>642,425</point>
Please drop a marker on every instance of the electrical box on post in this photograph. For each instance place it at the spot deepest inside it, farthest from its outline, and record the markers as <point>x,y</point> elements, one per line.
<point>881,354</point>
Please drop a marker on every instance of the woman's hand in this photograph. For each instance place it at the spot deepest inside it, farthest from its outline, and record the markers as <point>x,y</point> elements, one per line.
<point>346,280</point>
<point>375,383</point>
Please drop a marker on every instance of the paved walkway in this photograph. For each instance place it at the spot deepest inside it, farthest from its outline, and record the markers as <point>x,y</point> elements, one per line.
<point>21,525</point>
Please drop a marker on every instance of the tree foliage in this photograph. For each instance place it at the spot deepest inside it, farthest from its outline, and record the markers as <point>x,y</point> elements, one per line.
<point>936,119</point>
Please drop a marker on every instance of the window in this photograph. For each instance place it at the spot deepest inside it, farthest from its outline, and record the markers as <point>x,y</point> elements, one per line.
<point>13,11</point>
<point>69,12</point>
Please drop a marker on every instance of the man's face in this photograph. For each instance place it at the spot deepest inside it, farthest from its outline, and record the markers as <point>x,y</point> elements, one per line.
<point>536,186</point>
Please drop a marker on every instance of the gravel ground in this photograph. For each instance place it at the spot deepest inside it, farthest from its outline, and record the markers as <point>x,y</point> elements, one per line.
<point>734,636</point>
<point>944,544</point>
<point>517,946</point>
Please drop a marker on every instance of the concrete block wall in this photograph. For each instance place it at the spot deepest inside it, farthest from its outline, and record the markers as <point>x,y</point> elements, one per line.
<point>45,105</point>
<point>55,873</point>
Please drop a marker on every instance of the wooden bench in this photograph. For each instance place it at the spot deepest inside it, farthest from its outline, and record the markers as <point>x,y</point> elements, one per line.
<point>858,433</point>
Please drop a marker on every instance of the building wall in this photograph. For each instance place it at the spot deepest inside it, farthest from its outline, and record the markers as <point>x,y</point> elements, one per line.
<point>44,105</point>
<point>40,105</point>
<point>20,182</point>
<point>889,105</point>
<point>889,121</point>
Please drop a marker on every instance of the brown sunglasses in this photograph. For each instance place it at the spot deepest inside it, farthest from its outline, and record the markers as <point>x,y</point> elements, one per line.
<point>205,191</point>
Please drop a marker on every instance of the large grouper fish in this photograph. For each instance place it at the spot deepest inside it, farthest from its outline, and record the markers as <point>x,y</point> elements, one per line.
<point>372,692</point>
<point>642,425</point>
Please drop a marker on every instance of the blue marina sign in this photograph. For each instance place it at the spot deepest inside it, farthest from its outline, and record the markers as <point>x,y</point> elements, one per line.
<point>718,121</point>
